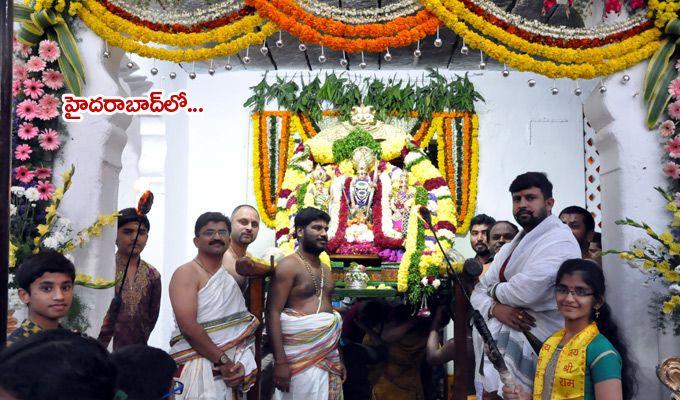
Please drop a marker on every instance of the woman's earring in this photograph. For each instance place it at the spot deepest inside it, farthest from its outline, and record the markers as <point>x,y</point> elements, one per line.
<point>597,313</point>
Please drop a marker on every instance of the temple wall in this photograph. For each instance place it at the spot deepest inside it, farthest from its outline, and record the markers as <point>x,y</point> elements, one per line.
<point>630,169</point>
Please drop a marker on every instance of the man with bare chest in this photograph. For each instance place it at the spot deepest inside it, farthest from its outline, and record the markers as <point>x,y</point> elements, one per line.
<point>303,328</point>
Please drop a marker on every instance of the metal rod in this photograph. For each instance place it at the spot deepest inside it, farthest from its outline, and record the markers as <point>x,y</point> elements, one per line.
<point>6,30</point>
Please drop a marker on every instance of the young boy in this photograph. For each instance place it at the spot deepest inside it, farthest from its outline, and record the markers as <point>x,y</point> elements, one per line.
<point>46,286</point>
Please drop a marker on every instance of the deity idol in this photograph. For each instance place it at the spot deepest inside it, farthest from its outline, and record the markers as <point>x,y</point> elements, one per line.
<point>362,186</point>
<point>377,178</point>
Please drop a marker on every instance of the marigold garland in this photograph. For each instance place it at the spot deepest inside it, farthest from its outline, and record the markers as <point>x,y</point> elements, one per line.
<point>223,49</point>
<point>563,55</point>
<point>176,27</point>
<point>524,62</point>
<point>560,42</point>
<point>146,35</point>
<point>291,9</point>
<point>308,35</point>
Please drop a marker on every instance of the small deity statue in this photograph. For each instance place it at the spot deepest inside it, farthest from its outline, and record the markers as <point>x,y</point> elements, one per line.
<point>362,186</point>
<point>318,189</point>
<point>400,204</point>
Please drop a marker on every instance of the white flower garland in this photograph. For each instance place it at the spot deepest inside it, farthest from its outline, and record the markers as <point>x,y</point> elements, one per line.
<point>362,15</point>
<point>181,15</point>
<point>561,32</point>
<point>386,219</point>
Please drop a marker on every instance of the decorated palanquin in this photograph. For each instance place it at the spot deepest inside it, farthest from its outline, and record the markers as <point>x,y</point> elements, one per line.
<point>371,155</point>
<point>371,177</point>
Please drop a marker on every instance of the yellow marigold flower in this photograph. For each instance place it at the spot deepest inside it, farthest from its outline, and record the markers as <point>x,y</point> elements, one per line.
<point>648,264</point>
<point>666,238</point>
<point>12,255</point>
<point>671,304</point>
<point>58,194</point>
<point>671,276</point>
<point>638,253</point>
<point>43,229</point>
<point>108,219</point>
<point>674,248</point>
<point>663,266</point>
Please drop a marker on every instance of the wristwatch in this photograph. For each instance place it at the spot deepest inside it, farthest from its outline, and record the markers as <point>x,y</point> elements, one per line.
<point>223,360</point>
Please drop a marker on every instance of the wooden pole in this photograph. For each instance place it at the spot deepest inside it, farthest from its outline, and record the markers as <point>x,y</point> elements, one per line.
<point>461,364</point>
<point>256,274</point>
<point>6,29</point>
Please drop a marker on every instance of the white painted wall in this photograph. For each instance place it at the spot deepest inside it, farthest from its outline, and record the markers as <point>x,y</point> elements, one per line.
<point>630,169</point>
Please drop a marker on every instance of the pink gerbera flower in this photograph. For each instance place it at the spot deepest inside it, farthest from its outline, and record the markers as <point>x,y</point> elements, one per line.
<point>19,71</point>
<point>49,101</point>
<point>24,50</point>
<point>16,87</point>
<point>53,79</point>
<point>674,88</point>
<point>49,50</point>
<point>33,88</point>
<point>23,152</point>
<point>27,131</point>
<point>667,128</point>
<point>23,174</point>
<point>674,110</point>
<point>672,170</point>
<point>27,109</point>
<point>48,107</point>
<point>46,190</point>
<point>49,140</point>
<point>43,173</point>
<point>673,148</point>
<point>35,64</point>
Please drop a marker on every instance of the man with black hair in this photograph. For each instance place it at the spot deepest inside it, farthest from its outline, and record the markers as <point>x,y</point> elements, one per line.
<point>500,233</point>
<point>595,248</point>
<point>132,321</point>
<point>582,225</point>
<point>145,373</point>
<point>245,224</point>
<point>213,341</point>
<point>57,365</point>
<point>45,283</point>
<point>304,330</point>
<point>479,238</point>
<point>516,294</point>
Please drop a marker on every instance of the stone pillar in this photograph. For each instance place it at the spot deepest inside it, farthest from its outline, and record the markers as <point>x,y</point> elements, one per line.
<point>94,146</point>
<point>630,169</point>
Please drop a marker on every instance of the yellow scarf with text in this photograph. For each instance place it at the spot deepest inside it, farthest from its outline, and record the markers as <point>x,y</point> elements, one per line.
<point>570,372</point>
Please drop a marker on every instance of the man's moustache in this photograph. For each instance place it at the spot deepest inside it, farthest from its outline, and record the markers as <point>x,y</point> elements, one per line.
<point>216,242</point>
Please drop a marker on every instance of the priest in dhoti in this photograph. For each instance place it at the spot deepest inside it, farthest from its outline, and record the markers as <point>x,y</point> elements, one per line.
<point>213,343</point>
<point>516,295</point>
<point>303,329</point>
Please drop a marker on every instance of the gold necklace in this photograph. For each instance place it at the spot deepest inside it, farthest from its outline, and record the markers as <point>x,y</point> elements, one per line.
<point>203,267</point>
<point>317,287</point>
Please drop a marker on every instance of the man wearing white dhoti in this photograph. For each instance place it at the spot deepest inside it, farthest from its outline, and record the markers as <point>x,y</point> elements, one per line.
<point>213,343</point>
<point>516,294</point>
<point>303,329</point>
